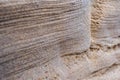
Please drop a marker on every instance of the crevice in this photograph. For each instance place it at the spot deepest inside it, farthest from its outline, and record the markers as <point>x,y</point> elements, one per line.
<point>102,71</point>
<point>72,54</point>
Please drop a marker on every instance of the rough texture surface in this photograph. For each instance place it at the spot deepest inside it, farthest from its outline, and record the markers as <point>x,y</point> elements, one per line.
<point>101,61</point>
<point>34,32</point>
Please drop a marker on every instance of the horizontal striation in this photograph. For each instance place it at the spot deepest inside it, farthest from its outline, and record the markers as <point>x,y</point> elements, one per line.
<point>105,19</point>
<point>33,33</point>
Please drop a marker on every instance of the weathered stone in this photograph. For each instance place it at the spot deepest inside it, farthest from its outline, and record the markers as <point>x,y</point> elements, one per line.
<point>34,32</point>
<point>100,62</point>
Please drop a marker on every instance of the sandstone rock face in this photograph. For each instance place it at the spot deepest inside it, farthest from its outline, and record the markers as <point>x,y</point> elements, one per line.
<point>106,21</point>
<point>63,27</point>
<point>34,32</point>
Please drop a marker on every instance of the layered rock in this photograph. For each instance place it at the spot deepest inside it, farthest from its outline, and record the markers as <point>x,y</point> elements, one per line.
<point>105,21</point>
<point>100,61</point>
<point>34,32</point>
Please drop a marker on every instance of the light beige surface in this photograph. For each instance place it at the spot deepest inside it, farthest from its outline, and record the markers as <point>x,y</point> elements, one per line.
<point>34,32</point>
<point>100,62</point>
